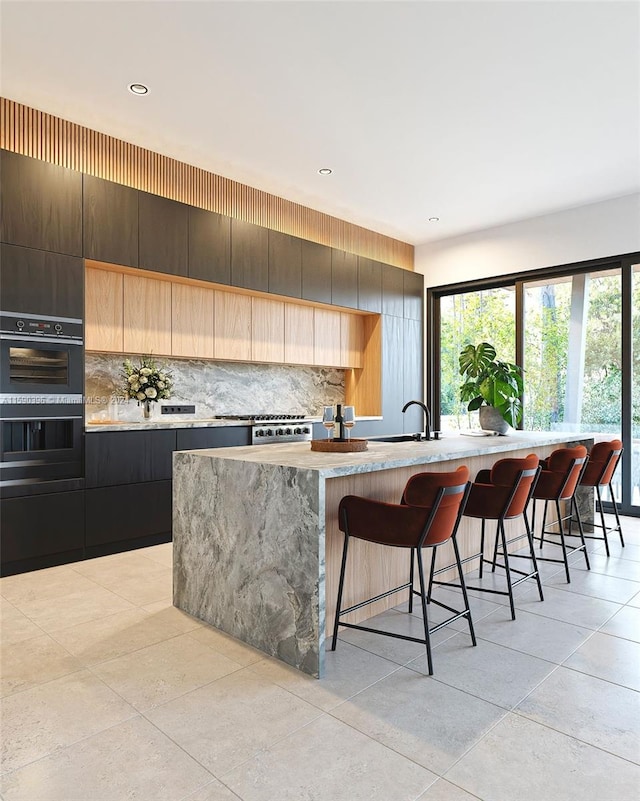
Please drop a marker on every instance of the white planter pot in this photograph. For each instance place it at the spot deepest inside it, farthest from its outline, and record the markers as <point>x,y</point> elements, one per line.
<point>492,420</point>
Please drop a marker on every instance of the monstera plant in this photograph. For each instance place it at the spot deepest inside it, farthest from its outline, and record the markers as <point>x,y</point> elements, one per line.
<point>489,382</point>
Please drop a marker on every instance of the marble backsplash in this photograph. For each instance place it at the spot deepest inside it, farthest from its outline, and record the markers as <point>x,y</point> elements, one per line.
<point>216,388</point>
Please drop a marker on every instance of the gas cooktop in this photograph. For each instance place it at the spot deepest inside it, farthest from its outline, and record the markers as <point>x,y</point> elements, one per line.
<point>262,418</point>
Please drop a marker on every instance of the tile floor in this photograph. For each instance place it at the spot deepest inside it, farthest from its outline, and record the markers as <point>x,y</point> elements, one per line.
<point>109,693</point>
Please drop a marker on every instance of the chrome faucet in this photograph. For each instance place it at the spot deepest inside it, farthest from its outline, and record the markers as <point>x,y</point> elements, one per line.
<point>427,415</point>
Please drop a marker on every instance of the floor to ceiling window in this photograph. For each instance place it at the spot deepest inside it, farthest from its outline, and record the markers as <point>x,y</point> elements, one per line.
<point>576,333</point>
<point>572,353</point>
<point>471,317</point>
<point>635,388</point>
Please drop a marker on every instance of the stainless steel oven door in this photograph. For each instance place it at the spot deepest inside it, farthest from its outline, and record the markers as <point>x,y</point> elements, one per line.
<point>39,444</point>
<point>40,367</point>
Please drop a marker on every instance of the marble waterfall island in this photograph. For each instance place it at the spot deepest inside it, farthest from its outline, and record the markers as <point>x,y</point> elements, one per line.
<point>256,540</point>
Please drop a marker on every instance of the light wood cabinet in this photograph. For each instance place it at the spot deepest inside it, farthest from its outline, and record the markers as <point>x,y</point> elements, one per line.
<point>298,334</point>
<point>351,340</point>
<point>267,330</point>
<point>131,313</point>
<point>327,337</point>
<point>232,326</point>
<point>192,321</point>
<point>147,315</point>
<point>104,311</point>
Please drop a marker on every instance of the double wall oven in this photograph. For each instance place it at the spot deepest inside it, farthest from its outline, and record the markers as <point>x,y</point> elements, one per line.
<point>41,403</point>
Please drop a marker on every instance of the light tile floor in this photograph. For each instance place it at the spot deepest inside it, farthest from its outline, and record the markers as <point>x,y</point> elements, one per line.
<point>109,693</point>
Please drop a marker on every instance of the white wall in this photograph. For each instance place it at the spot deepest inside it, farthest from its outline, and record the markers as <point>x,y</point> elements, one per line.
<point>609,228</point>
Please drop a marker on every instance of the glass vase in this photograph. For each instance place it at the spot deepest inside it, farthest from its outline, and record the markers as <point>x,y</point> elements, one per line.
<point>146,409</point>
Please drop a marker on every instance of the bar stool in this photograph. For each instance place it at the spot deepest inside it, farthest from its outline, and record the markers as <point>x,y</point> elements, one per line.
<point>427,517</point>
<point>601,465</point>
<point>558,481</point>
<point>502,493</point>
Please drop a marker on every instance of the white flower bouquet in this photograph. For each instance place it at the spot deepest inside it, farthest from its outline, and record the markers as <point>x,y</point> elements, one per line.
<point>146,381</point>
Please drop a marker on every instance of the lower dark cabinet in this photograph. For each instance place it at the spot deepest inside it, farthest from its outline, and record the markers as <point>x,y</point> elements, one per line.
<point>190,439</point>
<point>123,457</point>
<point>41,529</point>
<point>128,512</point>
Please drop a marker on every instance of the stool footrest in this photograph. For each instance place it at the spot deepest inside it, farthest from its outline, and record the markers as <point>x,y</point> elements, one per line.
<point>480,589</point>
<point>569,551</point>
<point>462,562</point>
<point>385,633</point>
<point>376,598</point>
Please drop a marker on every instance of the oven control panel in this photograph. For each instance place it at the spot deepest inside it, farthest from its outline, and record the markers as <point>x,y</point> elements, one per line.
<point>14,325</point>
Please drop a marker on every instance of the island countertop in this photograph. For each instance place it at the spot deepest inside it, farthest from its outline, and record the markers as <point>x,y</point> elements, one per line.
<point>257,543</point>
<point>385,455</point>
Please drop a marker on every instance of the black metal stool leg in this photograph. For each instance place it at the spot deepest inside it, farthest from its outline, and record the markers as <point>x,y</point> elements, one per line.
<point>581,530</point>
<point>602,520</point>
<point>495,549</point>
<point>411,581</point>
<point>507,568</point>
<point>423,598</point>
<point>463,587</point>
<point>481,547</point>
<point>533,554</point>
<point>615,512</point>
<point>563,543</point>
<point>544,524</point>
<point>432,573</point>
<point>340,588</point>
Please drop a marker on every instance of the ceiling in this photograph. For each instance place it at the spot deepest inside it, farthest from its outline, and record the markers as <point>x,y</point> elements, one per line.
<point>479,113</point>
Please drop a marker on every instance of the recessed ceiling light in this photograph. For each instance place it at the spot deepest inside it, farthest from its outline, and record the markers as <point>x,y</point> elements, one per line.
<point>138,89</point>
<point>325,171</point>
<point>434,219</point>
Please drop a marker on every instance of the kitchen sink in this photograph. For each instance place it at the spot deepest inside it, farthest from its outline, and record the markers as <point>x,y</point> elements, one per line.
<point>398,438</point>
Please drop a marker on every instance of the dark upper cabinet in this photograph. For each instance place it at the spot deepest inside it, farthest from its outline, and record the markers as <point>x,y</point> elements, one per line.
<point>369,285</point>
<point>128,457</point>
<point>163,234</point>
<point>249,256</point>
<point>285,264</point>
<point>344,279</point>
<point>40,205</point>
<point>392,374</point>
<point>413,374</point>
<point>316,272</point>
<point>40,282</point>
<point>209,246</point>
<point>413,294</point>
<point>392,290</point>
<point>110,222</point>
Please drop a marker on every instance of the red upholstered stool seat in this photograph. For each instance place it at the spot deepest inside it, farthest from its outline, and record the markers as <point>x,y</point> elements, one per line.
<point>500,494</point>
<point>602,463</point>
<point>427,517</point>
<point>558,481</point>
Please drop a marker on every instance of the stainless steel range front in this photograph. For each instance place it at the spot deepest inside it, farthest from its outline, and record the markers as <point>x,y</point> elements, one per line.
<point>267,429</point>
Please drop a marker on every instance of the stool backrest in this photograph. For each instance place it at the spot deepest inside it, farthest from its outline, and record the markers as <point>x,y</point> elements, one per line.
<point>440,493</point>
<point>603,460</point>
<point>567,464</point>
<point>519,475</point>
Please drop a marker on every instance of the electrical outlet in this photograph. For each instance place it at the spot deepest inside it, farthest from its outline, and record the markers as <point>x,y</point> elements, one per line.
<point>177,409</point>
